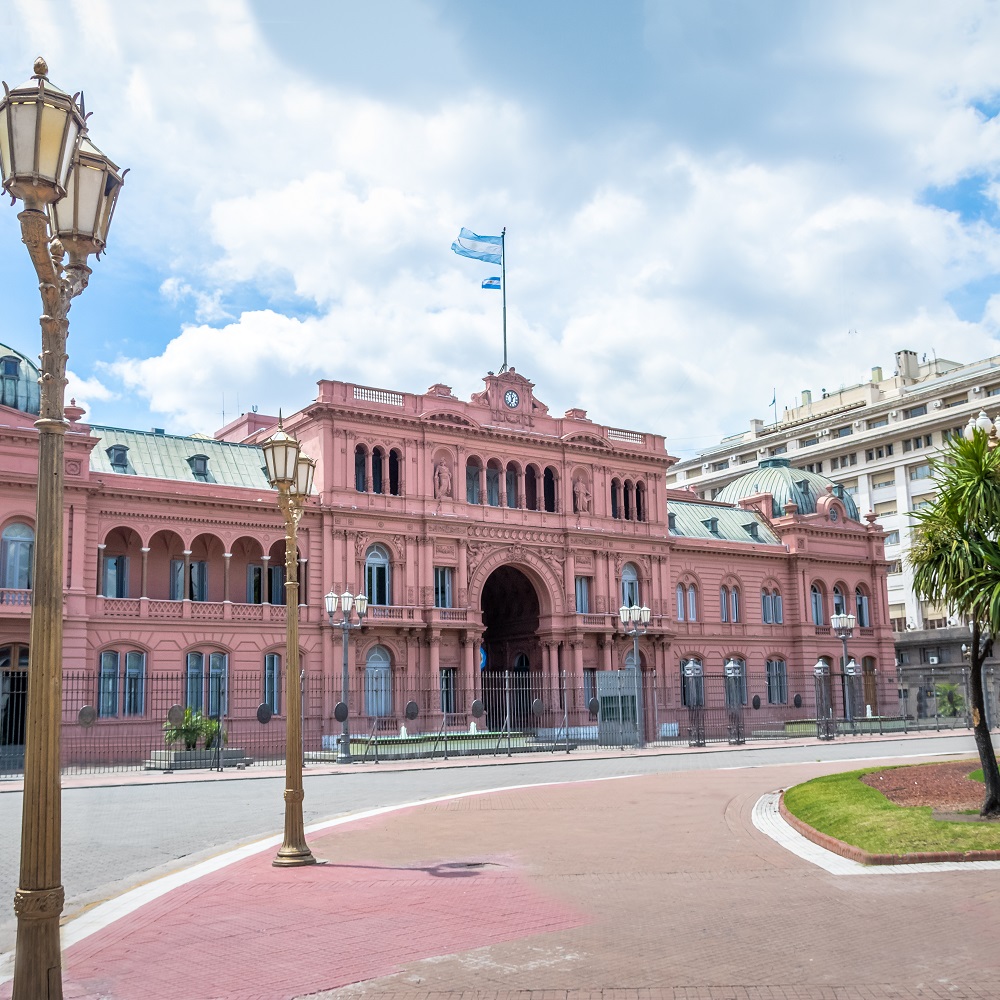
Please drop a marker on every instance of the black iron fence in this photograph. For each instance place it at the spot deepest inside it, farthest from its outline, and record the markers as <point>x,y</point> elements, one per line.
<point>169,723</point>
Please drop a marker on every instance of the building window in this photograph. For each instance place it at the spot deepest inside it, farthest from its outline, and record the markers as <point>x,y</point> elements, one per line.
<point>779,449</point>
<point>920,472</point>
<point>839,604</point>
<point>616,498</point>
<point>640,502</point>
<point>107,697</point>
<point>737,693</point>
<point>692,602</point>
<point>630,586</point>
<point>549,489</point>
<point>360,469</point>
<point>134,700</point>
<point>17,546</point>
<point>199,467</point>
<point>583,595</point>
<point>589,685</point>
<point>118,456</point>
<point>378,457</point>
<point>879,452</point>
<point>777,682</point>
<point>472,470</point>
<point>449,702</point>
<point>512,486</point>
<point>680,602</point>
<point>877,422</point>
<point>817,605</point>
<point>861,608</point>
<point>196,679</point>
<point>724,603</point>
<point>779,617</point>
<point>843,432</point>
<point>493,485</point>
<point>692,683</point>
<point>198,585</point>
<point>276,583</point>
<point>377,575</point>
<point>892,537</point>
<point>442,587</point>
<point>272,682</point>
<point>770,607</point>
<point>531,488</point>
<point>843,461</point>
<point>255,584</point>
<point>115,583</point>
<point>734,604</point>
<point>915,411</point>
<point>808,442</point>
<point>395,459</point>
<point>378,686</point>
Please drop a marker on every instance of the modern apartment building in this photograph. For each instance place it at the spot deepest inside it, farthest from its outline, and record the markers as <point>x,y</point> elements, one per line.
<point>876,440</point>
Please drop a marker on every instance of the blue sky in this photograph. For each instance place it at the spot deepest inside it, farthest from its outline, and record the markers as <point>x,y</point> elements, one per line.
<point>704,201</point>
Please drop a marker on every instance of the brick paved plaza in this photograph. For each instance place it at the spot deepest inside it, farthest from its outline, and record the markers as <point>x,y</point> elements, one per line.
<point>656,886</point>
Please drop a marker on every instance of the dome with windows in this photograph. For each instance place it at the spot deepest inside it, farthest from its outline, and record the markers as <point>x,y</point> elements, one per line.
<point>777,477</point>
<point>18,381</point>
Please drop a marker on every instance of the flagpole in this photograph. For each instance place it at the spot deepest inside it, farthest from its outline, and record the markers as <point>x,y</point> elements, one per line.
<point>503,291</point>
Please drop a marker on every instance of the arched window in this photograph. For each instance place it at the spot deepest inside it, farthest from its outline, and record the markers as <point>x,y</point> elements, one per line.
<point>196,680</point>
<point>472,471</point>
<point>817,604</point>
<point>640,501</point>
<point>549,489</point>
<point>766,608</point>
<point>395,460</point>
<point>736,681</point>
<point>531,488</point>
<point>630,659</point>
<point>724,603</point>
<point>776,607</point>
<point>616,498</point>
<point>630,585</point>
<point>692,683</point>
<point>681,605</point>
<point>272,682</point>
<point>521,662</point>
<point>777,682</point>
<point>378,576</point>
<point>512,485</point>
<point>378,682</point>
<point>734,604</point>
<point>692,596</point>
<point>628,499</point>
<point>862,611</point>
<point>17,546</point>
<point>107,692</point>
<point>839,603</point>
<point>493,483</point>
<point>378,457</point>
<point>361,469</point>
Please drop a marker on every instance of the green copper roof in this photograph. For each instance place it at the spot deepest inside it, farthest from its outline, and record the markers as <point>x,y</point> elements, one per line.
<point>777,477</point>
<point>18,381</point>
<point>152,455</point>
<point>690,519</point>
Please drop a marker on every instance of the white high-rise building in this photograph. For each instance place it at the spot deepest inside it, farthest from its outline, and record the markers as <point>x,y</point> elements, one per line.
<point>876,439</point>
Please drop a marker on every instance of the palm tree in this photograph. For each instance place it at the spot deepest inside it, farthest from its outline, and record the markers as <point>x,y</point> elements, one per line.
<point>956,563</point>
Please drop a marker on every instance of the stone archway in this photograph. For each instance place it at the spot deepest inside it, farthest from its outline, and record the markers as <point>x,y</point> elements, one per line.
<point>512,651</point>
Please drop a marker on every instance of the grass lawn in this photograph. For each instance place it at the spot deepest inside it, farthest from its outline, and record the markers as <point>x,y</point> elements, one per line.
<point>843,807</point>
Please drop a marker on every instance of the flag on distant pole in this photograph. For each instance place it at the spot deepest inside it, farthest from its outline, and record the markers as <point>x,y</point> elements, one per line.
<point>492,250</point>
<point>487,248</point>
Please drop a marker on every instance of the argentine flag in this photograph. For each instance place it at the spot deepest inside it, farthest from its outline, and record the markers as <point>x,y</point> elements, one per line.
<point>492,283</point>
<point>487,248</point>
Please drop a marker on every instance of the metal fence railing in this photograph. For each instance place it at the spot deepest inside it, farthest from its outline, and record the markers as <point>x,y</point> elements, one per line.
<point>120,722</point>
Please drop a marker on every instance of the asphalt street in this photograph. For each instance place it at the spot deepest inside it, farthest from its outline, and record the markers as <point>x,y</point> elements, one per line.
<point>116,837</point>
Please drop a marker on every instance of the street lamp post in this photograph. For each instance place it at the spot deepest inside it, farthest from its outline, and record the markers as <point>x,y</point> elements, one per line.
<point>69,189</point>
<point>345,601</point>
<point>824,710</point>
<point>843,628</point>
<point>291,474</point>
<point>635,622</point>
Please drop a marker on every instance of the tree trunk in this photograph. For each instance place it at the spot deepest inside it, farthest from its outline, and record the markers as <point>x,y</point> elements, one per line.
<point>980,729</point>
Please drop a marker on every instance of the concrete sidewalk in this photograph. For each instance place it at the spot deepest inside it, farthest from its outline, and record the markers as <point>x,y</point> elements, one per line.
<point>647,887</point>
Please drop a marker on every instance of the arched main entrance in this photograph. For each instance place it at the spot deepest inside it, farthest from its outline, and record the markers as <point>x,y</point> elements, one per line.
<point>511,648</point>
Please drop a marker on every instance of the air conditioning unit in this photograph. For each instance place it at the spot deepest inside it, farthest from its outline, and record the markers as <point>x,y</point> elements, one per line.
<point>892,413</point>
<point>932,660</point>
<point>706,466</point>
<point>977,388</point>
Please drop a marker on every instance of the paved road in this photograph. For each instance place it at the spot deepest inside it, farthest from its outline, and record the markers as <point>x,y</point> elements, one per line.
<point>118,837</point>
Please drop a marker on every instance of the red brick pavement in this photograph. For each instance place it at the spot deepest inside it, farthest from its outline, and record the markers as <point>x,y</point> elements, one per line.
<point>651,888</point>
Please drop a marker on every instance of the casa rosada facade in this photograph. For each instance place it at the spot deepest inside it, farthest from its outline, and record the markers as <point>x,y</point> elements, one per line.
<point>489,535</point>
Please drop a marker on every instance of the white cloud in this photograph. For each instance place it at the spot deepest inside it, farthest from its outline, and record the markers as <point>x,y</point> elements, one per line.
<point>665,273</point>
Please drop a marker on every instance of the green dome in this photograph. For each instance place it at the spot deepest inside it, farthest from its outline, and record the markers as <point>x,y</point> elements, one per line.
<point>18,381</point>
<point>777,477</point>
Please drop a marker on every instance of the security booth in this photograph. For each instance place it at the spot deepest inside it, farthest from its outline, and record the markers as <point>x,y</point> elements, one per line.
<point>734,701</point>
<point>692,675</point>
<point>618,716</point>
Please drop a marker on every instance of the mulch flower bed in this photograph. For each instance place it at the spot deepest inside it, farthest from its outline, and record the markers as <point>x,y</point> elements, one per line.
<point>947,788</point>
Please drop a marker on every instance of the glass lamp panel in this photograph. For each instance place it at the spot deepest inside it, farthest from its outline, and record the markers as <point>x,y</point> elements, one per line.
<point>644,615</point>
<point>850,621</point>
<point>347,601</point>
<point>4,144</point>
<point>623,614</point>
<point>77,213</point>
<point>22,123</point>
<point>304,469</point>
<point>51,129</point>
<point>362,601</point>
<point>332,600</point>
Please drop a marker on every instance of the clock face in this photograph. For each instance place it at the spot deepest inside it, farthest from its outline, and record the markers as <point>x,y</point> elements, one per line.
<point>834,514</point>
<point>511,398</point>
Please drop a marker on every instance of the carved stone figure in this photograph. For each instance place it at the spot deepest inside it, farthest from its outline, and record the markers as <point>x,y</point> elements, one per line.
<point>442,480</point>
<point>581,497</point>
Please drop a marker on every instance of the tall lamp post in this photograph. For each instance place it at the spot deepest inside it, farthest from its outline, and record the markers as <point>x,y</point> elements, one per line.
<point>69,189</point>
<point>843,629</point>
<point>291,474</point>
<point>345,601</point>
<point>635,621</point>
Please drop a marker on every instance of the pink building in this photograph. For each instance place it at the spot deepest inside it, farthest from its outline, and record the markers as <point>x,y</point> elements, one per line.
<point>495,542</point>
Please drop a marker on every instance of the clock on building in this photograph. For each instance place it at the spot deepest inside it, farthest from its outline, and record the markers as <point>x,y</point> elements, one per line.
<point>511,398</point>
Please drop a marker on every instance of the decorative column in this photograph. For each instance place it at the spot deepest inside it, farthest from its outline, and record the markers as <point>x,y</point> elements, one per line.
<point>227,558</point>
<point>100,569</point>
<point>186,593</point>
<point>265,581</point>
<point>463,573</point>
<point>303,561</point>
<point>145,573</point>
